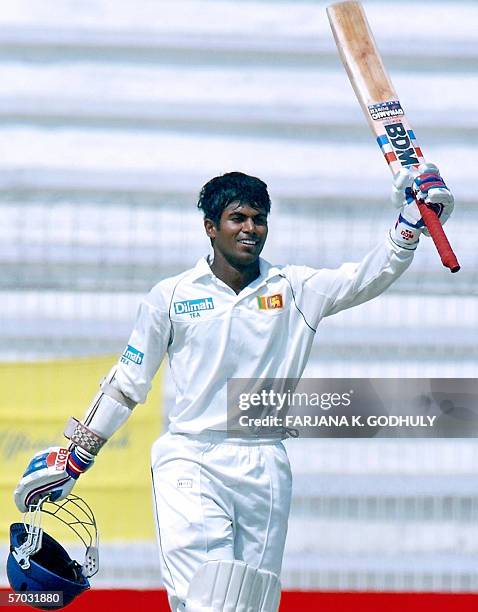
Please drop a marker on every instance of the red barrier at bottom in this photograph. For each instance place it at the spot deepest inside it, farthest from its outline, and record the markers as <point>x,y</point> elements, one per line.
<point>98,600</point>
<point>298,601</point>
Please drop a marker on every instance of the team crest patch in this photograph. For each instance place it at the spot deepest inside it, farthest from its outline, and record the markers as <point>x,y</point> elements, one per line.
<point>132,355</point>
<point>190,306</point>
<point>270,302</point>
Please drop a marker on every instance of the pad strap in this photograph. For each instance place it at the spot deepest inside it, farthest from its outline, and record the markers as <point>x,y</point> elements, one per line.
<point>116,394</point>
<point>83,437</point>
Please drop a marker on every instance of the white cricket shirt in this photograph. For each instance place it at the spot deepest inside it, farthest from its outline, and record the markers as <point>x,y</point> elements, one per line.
<point>266,331</point>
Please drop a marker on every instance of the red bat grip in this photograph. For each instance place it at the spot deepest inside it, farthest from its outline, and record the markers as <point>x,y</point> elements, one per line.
<point>447,256</point>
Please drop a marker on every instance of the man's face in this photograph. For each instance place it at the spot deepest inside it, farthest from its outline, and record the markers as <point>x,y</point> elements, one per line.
<point>240,234</point>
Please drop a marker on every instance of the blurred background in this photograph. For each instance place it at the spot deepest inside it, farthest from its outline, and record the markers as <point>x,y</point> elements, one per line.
<point>113,114</point>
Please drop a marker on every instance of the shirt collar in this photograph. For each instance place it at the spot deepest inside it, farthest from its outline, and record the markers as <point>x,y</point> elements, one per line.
<point>266,271</point>
<point>201,269</point>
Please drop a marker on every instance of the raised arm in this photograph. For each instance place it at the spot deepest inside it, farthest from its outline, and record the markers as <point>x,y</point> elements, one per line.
<point>353,284</point>
<point>324,292</point>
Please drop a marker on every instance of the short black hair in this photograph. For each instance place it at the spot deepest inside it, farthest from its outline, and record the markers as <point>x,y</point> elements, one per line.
<point>220,191</point>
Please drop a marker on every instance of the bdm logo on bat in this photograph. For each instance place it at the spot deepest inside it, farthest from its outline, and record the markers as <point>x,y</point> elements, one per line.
<point>192,306</point>
<point>400,139</point>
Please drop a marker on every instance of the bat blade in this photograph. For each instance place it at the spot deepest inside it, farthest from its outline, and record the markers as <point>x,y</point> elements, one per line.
<point>359,53</point>
<point>381,105</point>
<point>372,85</point>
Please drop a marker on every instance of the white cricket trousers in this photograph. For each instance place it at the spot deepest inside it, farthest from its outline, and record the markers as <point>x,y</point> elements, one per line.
<point>218,498</point>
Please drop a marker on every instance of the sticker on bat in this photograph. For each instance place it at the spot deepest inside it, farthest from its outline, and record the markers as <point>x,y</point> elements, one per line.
<point>399,145</point>
<point>385,110</point>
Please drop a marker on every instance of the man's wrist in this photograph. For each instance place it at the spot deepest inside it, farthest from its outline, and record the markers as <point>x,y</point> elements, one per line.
<point>404,236</point>
<point>78,462</point>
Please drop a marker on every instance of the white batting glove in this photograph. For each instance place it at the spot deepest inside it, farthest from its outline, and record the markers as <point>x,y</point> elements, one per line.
<point>51,473</point>
<point>426,185</point>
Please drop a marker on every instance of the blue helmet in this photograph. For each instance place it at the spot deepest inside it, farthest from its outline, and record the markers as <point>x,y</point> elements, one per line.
<point>37,562</point>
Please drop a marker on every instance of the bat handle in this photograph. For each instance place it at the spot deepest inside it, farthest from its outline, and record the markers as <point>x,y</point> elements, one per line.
<point>447,256</point>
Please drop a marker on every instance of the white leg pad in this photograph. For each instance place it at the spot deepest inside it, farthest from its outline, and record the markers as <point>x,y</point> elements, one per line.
<point>232,586</point>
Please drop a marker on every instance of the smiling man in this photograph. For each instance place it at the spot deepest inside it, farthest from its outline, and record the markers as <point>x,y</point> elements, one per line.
<point>222,502</point>
<point>235,208</point>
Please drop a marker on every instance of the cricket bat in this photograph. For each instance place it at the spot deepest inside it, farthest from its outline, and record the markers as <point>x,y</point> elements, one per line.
<point>382,108</point>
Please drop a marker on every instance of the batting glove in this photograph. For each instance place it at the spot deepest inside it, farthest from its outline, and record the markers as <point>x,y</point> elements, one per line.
<point>425,185</point>
<point>51,473</point>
